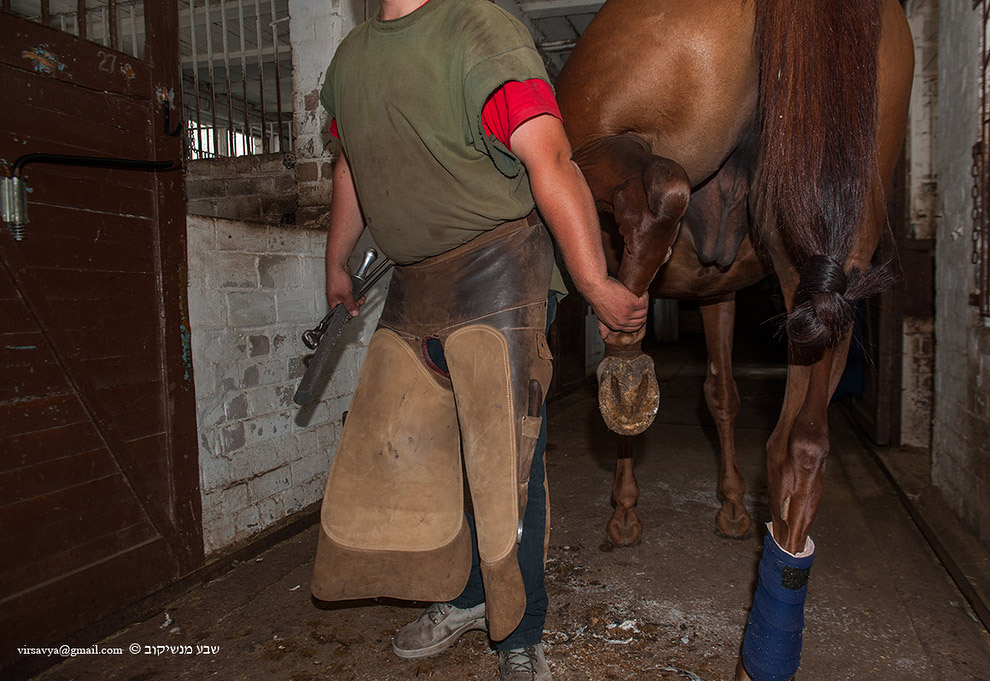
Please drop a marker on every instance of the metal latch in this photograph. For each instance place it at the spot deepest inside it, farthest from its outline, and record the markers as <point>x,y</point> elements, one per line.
<point>13,191</point>
<point>13,205</point>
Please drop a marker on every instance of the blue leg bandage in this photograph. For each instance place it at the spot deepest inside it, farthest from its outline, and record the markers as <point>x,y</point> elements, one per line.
<point>771,648</point>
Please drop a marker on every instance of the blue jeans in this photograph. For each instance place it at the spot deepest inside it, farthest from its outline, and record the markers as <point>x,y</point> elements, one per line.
<point>530,549</point>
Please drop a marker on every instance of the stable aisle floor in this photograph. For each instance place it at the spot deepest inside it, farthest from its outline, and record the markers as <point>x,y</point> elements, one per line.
<point>880,605</point>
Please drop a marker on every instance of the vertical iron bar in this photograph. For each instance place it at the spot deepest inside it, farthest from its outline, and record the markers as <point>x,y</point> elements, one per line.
<point>195,64</point>
<point>133,15</point>
<point>112,11</point>
<point>278,79</point>
<point>61,21</point>
<point>231,150</point>
<point>5,5</point>
<point>213,87</point>
<point>240,19</point>
<point>81,18</point>
<point>106,35</point>
<point>261,75</point>
<point>46,13</point>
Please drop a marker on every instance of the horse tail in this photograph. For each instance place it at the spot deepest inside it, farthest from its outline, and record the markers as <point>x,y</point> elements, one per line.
<point>818,110</point>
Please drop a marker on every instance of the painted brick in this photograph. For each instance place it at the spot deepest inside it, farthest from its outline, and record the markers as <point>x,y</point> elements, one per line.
<point>270,510</point>
<point>296,240</point>
<point>296,305</point>
<point>234,270</point>
<point>233,437</point>
<point>251,308</point>
<point>259,346</point>
<point>280,271</point>
<point>208,308</point>
<point>237,407</point>
<point>311,467</point>
<point>269,398</point>
<point>268,427</point>
<point>269,484</point>
<point>240,236</point>
<point>308,172</point>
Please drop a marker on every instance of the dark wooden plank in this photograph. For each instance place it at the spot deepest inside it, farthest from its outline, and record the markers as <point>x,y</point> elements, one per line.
<point>100,139</point>
<point>24,575</point>
<point>48,477</point>
<point>35,527</point>
<point>74,253</point>
<point>25,347</point>
<point>92,342</point>
<point>119,288</point>
<point>14,317</point>
<point>34,48</point>
<point>26,382</point>
<point>49,444</point>
<point>43,413</point>
<point>86,595</point>
<point>88,106</point>
<point>62,222</point>
<point>52,186</point>
<point>119,368</point>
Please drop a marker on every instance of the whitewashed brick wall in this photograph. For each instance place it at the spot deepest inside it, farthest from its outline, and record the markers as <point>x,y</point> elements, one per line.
<point>253,290</point>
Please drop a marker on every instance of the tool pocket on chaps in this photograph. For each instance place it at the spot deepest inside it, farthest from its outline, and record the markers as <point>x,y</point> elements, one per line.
<point>530,434</point>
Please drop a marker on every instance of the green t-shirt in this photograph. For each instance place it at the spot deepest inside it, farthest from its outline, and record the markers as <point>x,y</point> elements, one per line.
<point>407,95</point>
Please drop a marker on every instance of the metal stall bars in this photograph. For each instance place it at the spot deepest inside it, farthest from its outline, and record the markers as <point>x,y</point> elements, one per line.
<point>223,42</point>
<point>117,24</point>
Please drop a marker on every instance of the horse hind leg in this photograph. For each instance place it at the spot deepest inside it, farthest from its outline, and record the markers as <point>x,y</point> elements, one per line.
<point>733,520</point>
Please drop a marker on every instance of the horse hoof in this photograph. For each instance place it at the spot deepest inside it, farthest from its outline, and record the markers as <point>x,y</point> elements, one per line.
<point>741,674</point>
<point>628,393</point>
<point>732,525</point>
<point>624,529</point>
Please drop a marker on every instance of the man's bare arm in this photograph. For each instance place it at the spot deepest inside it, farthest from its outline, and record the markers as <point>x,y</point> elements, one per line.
<point>564,200</point>
<point>346,226</point>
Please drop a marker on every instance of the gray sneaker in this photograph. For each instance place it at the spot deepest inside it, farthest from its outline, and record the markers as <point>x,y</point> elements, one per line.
<point>523,664</point>
<point>437,629</point>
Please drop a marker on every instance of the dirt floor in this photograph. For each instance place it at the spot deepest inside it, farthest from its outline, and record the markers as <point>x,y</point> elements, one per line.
<point>880,605</point>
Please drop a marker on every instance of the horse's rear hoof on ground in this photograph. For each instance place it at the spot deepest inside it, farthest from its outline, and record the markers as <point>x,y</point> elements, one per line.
<point>733,523</point>
<point>624,528</point>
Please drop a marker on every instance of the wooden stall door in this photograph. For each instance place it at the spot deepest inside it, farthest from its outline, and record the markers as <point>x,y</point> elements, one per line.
<point>99,500</point>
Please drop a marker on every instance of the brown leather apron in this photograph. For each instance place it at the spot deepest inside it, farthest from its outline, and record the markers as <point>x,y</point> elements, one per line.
<point>392,519</point>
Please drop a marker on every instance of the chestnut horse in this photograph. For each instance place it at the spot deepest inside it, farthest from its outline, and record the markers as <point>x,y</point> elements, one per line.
<point>785,118</point>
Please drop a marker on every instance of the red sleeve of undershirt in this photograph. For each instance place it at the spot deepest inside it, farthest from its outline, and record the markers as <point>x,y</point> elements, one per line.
<point>512,104</point>
<point>515,103</point>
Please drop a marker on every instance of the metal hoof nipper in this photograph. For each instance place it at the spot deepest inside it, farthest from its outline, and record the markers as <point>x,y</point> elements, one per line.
<point>628,393</point>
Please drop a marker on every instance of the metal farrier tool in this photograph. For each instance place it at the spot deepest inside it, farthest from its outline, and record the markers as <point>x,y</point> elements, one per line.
<point>325,336</point>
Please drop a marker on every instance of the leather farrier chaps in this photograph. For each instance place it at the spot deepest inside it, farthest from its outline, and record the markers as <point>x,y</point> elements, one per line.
<point>393,520</point>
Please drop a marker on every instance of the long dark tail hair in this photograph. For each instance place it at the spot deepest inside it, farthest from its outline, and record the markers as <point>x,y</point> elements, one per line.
<point>818,107</point>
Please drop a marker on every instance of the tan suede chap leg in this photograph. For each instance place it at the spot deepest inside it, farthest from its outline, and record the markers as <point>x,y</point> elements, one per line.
<point>392,520</point>
<point>485,302</point>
